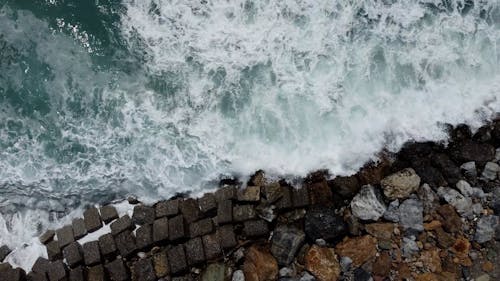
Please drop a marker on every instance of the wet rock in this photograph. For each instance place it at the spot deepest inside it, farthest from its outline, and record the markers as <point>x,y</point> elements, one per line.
<point>271,192</point>
<point>358,249</point>
<point>411,215</point>
<point>79,229</point>
<point>409,247</point>
<point>41,265</point>
<point>13,274</point>
<point>401,184</point>
<point>190,210</point>
<point>491,171</point>
<point>211,246</point>
<point>121,224</point>
<point>107,245</point>
<point>320,193</point>
<point>362,275</point>
<point>323,223</point>
<point>226,236</point>
<point>160,230</point>
<point>57,271</point>
<point>96,273</point>
<point>449,218</point>
<point>266,212</point>
<point>300,197</point>
<point>382,265</point>
<point>167,208</point>
<point>108,213</point>
<point>132,200</point>
<point>143,270</point>
<point>249,194</point>
<point>47,236</point>
<point>243,213</point>
<point>372,173</point>
<point>285,243</point>
<point>144,236</point>
<point>176,229</point>
<point>255,228</point>
<point>160,263</point>
<point>215,272</point>
<point>73,254</point>
<point>259,265</point>
<point>428,197</point>
<point>53,250</point>
<point>485,228</point>
<point>285,202</point>
<point>177,259</point>
<point>354,227</point>
<point>448,168</point>
<point>194,251</point>
<point>224,212</point>
<point>91,253</point>
<point>125,243</point>
<point>473,151</point>
<point>430,175</point>
<point>347,187</point>
<point>65,236</point>
<point>469,170</point>
<point>322,263</point>
<point>207,203</point>
<point>117,271</point>
<point>143,214</point>
<point>4,252</point>
<point>461,203</point>
<point>77,274</point>
<point>307,277</point>
<point>92,219</point>
<point>225,193</point>
<point>366,205</point>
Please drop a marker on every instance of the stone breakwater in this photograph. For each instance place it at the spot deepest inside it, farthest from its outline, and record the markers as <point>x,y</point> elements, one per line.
<point>429,212</point>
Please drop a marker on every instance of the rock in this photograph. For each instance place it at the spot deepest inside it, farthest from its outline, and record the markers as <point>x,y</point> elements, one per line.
<point>286,272</point>
<point>469,170</point>
<point>226,236</point>
<point>358,249</point>
<point>92,219</point>
<point>382,265</point>
<point>177,259</point>
<point>143,214</point>
<point>372,173</point>
<point>225,193</point>
<point>108,213</point>
<point>167,208</point>
<point>243,213</point>
<point>347,187</point>
<point>285,202</point>
<point>176,229</point>
<point>41,265</point>
<point>401,184</point>
<point>409,247</point>
<point>207,203</point>
<point>469,191</point>
<point>215,272</point>
<point>380,230</point>
<point>53,250</point>
<point>73,254</point>
<point>249,194</point>
<point>76,274</point>
<point>462,204</point>
<point>143,270</point>
<point>411,215</point>
<point>107,245</point>
<point>430,175</point>
<point>4,252</point>
<point>392,211</point>
<point>238,275</point>
<point>271,192</point>
<point>431,260</point>
<point>96,273</point>
<point>285,243</point>
<point>47,236</point>
<point>79,229</point>
<point>117,271</point>
<point>121,224</point>
<point>259,264</point>
<point>320,193</point>
<point>354,227</point>
<point>65,236</point>
<point>484,277</point>
<point>266,212</point>
<point>211,246</point>
<point>449,218</point>
<point>160,230</point>
<point>444,239</point>
<point>300,197</point>
<point>13,274</point>
<point>461,249</point>
<point>132,200</point>
<point>323,223</point>
<point>366,205</point>
<point>307,277</point>
<point>255,228</point>
<point>57,271</point>
<point>362,275</point>
<point>448,168</point>
<point>224,212</point>
<point>91,253</point>
<point>491,171</point>
<point>125,243</point>
<point>144,237</point>
<point>194,251</point>
<point>322,263</point>
<point>428,197</point>
<point>485,228</point>
<point>160,263</point>
<point>190,210</point>
<point>473,151</point>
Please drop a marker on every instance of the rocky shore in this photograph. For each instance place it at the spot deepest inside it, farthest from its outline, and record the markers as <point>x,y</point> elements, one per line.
<point>429,212</point>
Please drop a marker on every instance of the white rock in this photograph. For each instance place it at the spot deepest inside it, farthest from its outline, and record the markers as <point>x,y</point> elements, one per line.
<point>497,155</point>
<point>461,203</point>
<point>238,276</point>
<point>464,188</point>
<point>400,184</point>
<point>366,205</point>
<point>286,272</point>
<point>491,171</point>
<point>392,212</point>
<point>469,169</point>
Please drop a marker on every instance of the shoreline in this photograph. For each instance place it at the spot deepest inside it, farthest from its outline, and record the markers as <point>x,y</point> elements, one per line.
<point>427,212</point>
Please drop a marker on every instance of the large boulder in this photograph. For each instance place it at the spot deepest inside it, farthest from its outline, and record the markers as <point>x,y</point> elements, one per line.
<point>401,184</point>
<point>366,205</point>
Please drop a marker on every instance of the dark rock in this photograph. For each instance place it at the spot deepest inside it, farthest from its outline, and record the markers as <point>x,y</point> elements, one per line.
<point>285,243</point>
<point>461,133</point>
<point>320,193</point>
<point>117,271</point>
<point>92,219</point>
<point>160,230</point>
<point>176,228</point>
<point>143,214</point>
<point>190,210</point>
<point>373,173</point>
<point>125,242</point>
<point>243,213</point>
<point>79,229</point>
<point>483,134</point>
<point>207,203</point>
<point>167,208</point>
<point>53,250</point>
<point>258,179</point>
<point>177,259</point>
<point>144,237</point>
<point>226,236</point>
<point>4,252</point>
<point>201,228</point>
<point>13,274</point>
<point>347,187</point>
<point>143,270</point>
<point>255,228</point>
<point>47,236</point>
<point>449,169</point>
<point>161,265</point>
<point>96,273</point>
<point>73,254</point>
<point>211,246</point>
<point>285,202</point>
<point>224,212</point>
<point>194,251</point>
<point>77,274</point>
<point>57,271</point>
<point>41,265</point>
<point>249,194</point>
<point>108,213</point>
<point>183,278</point>
<point>122,224</point>
<point>473,151</point>
<point>65,236</point>
<point>34,276</point>
<point>495,134</point>
<point>362,275</point>
<point>225,193</point>
<point>430,175</point>
<point>444,239</point>
<point>272,192</point>
<point>132,200</point>
<point>5,266</point>
<point>323,223</point>
<point>91,253</point>
<point>107,245</point>
<point>300,197</point>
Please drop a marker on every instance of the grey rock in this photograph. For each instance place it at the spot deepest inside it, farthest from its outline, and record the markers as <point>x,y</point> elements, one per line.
<point>108,213</point>
<point>226,236</point>
<point>79,229</point>
<point>190,210</point>
<point>255,228</point>
<point>266,212</point>
<point>307,277</point>
<point>300,197</point>
<point>73,254</point>
<point>491,171</point>
<point>65,235</point>
<point>96,273</point>
<point>41,265</point>
<point>143,270</point>
<point>461,203</point>
<point>143,214</point>
<point>411,215</point>
<point>160,230</point>
<point>285,272</point>
<point>469,169</point>
<point>238,275</point>
<point>366,205</point>
<point>125,243</point>
<point>53,250</point>
<point>225,193</point>
<point>107,245</point>
<point>176,228</point>
<point>345,263</point>
<point>144,237</point>
<point>249,194</point>
<point>57,271</point>
<point>211,246</point>
<point>34,276</point>
<point>47,236</point>
<point>194,251</point>
<point>285,202</point>
<point>214,272</point>
<point>177,259</point>
<point>477,209</point>
<point>167,208</point>
<point>400,184</point>
<point>224,212</point>
<point>122,224</point>
<point>428,197</point>
<point>497,154</point>
<point>117,270</point>
<point>410,247</point>
<point>485,228</point>
<point>92,219</point>
<point>392,212</point>
<point>243,213</point>
<point>13,274</point>
<point>469,191</point>
<point>91,253</point>
<point>207,203</point>
<point>77,274</point>
<point>285,243</point>
<point>201,227</point>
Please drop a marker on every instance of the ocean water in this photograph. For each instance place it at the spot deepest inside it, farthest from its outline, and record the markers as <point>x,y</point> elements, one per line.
<point>102,99</point>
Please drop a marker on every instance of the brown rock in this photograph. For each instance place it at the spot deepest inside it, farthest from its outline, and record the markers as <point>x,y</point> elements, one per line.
<point>403,272</point>
<point>359,249</point>
<point>373,173</point>
<point>249,194</point>
<point>428,276</point>
<point>320,193</point>
<point>160,263</point>
<point>461,249</point>
<point>444,239</point>
<point>431,260</point>
<point>449,218</point>
<point>382,265</point>
<point>322,263</point>
<point>380,230</point>
<point>259,264</point>
<point>432,225</point>
<point>487,266</point>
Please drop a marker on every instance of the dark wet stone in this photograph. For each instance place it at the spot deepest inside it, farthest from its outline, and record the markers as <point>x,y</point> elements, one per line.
<point>5,266</point>
<point>255,228</point>
<point>92,219</point>
<point>47,236</point>
<point>125,243</point>
<point>430,175</point>
<point>320,193</point>
<point>183,278</point>
<point>35,276</point>
<point>121,224</point>
<point>449,169</point>
<point>107,245</point>
<point>53,250</point>
<point>300,197</point>
<point>347,187</point>
<point>207,203</point>
<point>65,236</point>
<point>244,213</point>
<point>483,134</point>
<point>167,208</point>
<point>473,151</point>
<point>79,229</point>
<point>160,230</point>
<point>4,252</point>
<point>224,212</point>
<point>226,236</point>
<point>201,227</point>
<point>73,254</point>
<point>225,193</point>
<point>285,243</point>
<point>108,213</point>
<point>91,253</point>
<point>211,246</point>
<point>461,133</point>
<point>13,274</point>
<point>77,274</point>
<point>117,270</point>
<point>143,270</point>
<point>57,271</point>
<point>194,251</point>
<point>143,214</point>
<point>133,200</point>
<point>144,237</point>
<point>361,275</point>
<point>177,259</point>
<point>41,265</point>
<point>323,223</point>
<point>176,228</point>
<point>190,210</point>
<point>96,273</point>
<point>285,202</point>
